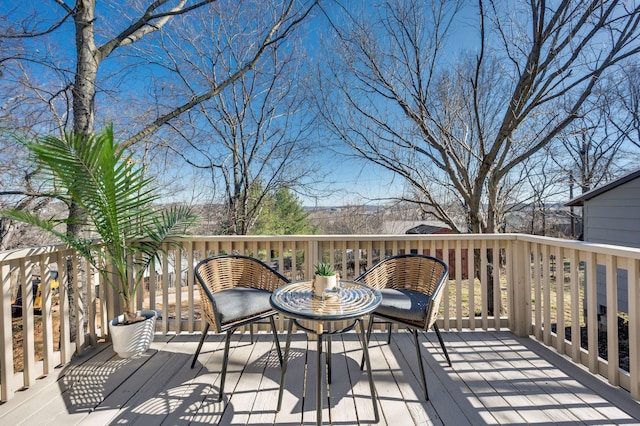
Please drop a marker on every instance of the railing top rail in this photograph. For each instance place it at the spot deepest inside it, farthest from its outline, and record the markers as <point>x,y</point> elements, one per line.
<point>379,237</point>
<point>9,255</point>
<point>614,250</point>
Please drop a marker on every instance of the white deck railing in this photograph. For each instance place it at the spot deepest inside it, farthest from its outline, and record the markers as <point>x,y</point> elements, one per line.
<point>525,279</point>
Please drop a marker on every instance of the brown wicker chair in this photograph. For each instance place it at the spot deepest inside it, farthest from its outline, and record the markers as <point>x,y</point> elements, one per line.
<point>235,291</point>
<point>411,287</point>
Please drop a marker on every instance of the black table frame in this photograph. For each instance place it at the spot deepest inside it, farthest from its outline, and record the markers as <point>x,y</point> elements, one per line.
<point>354,318</point>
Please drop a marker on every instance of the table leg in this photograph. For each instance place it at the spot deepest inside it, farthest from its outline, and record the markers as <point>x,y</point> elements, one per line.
<point>367,361</point>
<point>283,369</point>
<point>328,355</point>
<point>319,383</point>
<point>369,328</point>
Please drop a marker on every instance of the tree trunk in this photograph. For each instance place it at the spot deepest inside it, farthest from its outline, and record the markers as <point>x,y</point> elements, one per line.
<point>84,87</point>
<point>84,92</point>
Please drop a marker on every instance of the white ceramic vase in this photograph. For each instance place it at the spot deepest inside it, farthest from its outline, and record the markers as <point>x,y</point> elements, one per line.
<point>133,339</point>
<point>322,283</point>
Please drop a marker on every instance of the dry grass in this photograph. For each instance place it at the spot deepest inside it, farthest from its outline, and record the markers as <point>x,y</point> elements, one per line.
<point>18,335</point>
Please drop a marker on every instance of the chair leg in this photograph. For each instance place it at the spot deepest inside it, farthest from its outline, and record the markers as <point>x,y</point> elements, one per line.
<point>204,335</point>
<point>284,364</point>
<point>420,363</point>
<point>275,338</point>
<point>225,361</point>
<point>444,349</point>
<point>251,332</point>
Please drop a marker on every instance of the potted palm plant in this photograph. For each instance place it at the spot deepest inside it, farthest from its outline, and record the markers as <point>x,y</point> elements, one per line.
<point>122,229</point>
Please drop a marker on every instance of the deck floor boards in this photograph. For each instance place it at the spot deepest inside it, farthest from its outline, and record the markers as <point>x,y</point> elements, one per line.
<point>496,378</point>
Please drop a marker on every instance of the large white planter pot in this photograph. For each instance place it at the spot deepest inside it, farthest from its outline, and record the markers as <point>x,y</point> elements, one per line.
<point>322,283</point>
<point>133,339</point>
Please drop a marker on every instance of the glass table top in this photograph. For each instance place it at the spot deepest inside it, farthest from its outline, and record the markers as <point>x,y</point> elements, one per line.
<point>350,300</point>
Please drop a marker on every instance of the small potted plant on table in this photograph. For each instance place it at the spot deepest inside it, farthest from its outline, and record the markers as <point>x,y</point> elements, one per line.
<point>324,279</point>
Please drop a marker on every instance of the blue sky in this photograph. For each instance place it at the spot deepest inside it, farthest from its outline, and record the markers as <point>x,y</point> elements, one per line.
<point>352,181</point>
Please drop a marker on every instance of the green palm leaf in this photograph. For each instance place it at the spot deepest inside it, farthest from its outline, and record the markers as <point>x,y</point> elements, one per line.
<point>116,199</point>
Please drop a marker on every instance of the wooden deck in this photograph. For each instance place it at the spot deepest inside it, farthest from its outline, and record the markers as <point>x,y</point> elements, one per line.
<point>496,378</point>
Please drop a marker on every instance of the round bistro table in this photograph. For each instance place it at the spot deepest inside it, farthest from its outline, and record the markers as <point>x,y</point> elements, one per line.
<point>349,303</point>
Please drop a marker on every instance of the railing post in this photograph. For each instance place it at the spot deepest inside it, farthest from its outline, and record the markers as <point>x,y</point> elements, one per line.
<point>315,257</point>
<point>6,336</point>
<point>634,327</point>
<point>518,321</point>
<point>46,314</point>
<point>613,352</point>
<point>65,332</point>
<point>591,288</point>
<point>25,275</point>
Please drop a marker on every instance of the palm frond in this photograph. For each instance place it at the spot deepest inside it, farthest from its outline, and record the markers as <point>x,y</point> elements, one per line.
<point>81,245</point>
<point>116,198</point>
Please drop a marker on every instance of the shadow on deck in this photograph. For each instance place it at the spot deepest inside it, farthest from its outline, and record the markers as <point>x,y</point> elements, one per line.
<point>496,378</point>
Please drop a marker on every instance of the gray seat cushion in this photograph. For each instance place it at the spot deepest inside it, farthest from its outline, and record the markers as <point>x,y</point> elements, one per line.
<point>404,304</point>
<point>239,303</point>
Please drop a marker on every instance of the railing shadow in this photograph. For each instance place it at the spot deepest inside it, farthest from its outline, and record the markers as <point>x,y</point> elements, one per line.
<point>143,390</point>
<point>499,377</point>
<point>496,378</point>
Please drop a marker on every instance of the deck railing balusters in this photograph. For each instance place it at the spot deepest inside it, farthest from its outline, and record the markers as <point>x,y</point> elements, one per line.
<point>525,270</point>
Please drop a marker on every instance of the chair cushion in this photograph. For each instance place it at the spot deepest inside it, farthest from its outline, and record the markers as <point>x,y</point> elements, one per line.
<point>406,305</point>
<point>241,302</point>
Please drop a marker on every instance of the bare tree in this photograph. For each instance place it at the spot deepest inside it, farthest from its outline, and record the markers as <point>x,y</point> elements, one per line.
<point>599,145</point>
<point>99,34</point>
<point>627,97</point>
<point>253,136</point>
<point>456,129</point>
<point>540,196</point>
<point>591,150</point>
<point>351,220</point>
<point>15,173</point>
<point>29,104</point>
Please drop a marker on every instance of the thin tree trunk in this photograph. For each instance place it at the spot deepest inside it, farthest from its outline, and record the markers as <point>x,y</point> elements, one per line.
<point>84,87</point>
<point>84,92</point>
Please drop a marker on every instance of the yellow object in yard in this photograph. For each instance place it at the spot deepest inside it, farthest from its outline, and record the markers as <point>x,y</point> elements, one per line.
<point>37,299</point>
<point>36,286</point>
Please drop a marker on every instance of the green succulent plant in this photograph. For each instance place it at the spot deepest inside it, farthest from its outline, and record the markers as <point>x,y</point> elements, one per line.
<point>324,269</point>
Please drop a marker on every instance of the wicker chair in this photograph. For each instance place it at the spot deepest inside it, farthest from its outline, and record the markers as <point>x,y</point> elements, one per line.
<point>235,291</point>
<point>411,287</point>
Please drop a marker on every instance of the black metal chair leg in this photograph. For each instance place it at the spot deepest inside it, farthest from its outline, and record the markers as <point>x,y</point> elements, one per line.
<point>204,335</point>
<point>251,332</point>
<point>225,361</point>
<point>284,363</point>
<point>420,363</point>
<point>389,333</point>
<point>365,354</point>
<point>444,349</point>
<point>275,338</point>
<point>369,329</point>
